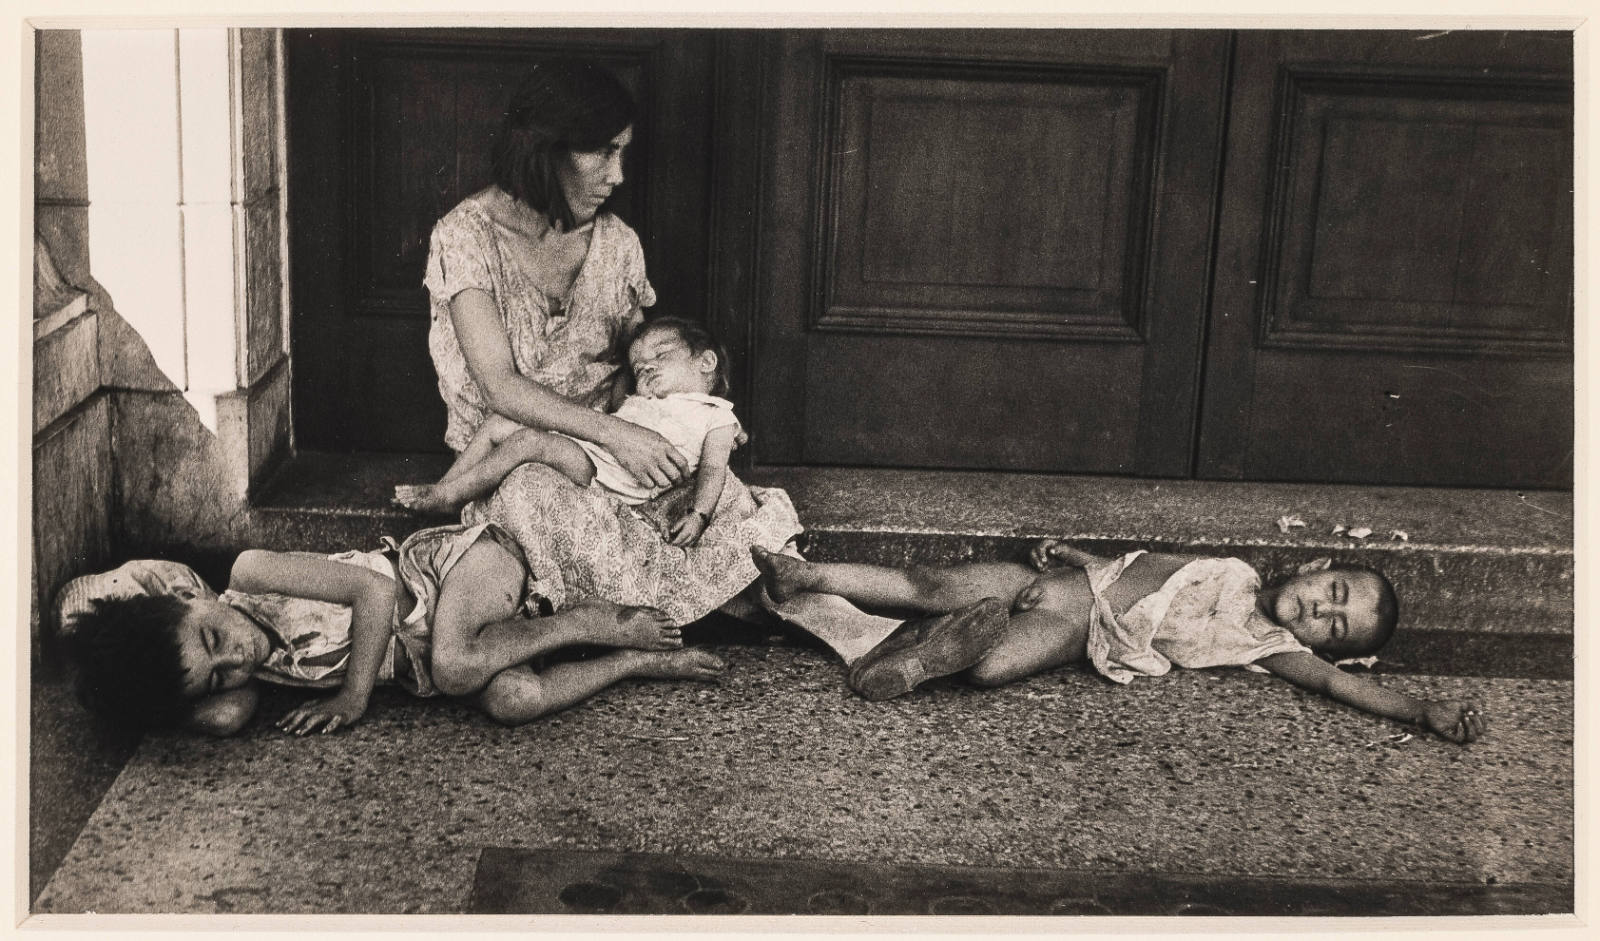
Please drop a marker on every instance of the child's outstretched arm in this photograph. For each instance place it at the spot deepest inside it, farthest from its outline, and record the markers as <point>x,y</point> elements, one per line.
<point>371,598</point>
<point>1457,721</point>
<point>709,481</point>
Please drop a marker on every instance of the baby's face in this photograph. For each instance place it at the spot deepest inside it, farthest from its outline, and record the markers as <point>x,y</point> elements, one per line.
<point>218,647</point>
<point>1330,611</point>
<point>663,364</point>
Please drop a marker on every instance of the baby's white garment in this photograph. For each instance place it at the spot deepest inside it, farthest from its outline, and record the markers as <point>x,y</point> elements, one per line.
<point>683,418</point>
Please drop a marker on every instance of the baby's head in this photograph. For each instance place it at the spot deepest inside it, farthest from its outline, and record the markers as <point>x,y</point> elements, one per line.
<point>1342,611</point>
<point>143,661</point>
<point>671,354</point>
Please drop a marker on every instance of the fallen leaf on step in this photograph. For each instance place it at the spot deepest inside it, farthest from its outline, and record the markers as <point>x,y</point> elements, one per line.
<point>1338,529</point>
<point>1400,534</point>
<point>1287,522</point>
<point>1360,532</point>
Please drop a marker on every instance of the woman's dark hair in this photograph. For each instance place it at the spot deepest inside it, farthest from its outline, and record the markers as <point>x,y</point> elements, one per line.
<point>559,107</point>
<point>697,338</point>
<point>126,654</point>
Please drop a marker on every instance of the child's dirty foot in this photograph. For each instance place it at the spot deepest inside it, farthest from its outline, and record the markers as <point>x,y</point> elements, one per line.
<point>782,576</point>
<point>423,498</point>
<point>688,664</point>
<point>616,625</point>
<point>926,648</point>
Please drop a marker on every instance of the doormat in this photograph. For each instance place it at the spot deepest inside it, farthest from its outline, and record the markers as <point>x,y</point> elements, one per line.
<point>572,882</point>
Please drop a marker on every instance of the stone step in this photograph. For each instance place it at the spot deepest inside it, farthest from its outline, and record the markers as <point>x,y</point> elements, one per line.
<point>1461,560</point>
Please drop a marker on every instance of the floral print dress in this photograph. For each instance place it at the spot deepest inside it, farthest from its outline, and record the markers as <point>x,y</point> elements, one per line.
<point>580,542</point>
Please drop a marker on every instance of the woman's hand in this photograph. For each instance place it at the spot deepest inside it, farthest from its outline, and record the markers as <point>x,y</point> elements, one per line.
<point>1460,722</point>
<point>330,714</point>
<point>646,455</point>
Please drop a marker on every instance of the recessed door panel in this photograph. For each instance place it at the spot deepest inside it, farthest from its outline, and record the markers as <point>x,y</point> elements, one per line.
<point>1394,285</point>
<point>982,249</point>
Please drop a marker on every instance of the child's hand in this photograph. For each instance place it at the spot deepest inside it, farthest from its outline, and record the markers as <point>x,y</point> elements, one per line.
<point>1047,553</point>
<point>331,714</point>
<point>1028,598</point>
<point>1460,722</point>
<point>688,528</point>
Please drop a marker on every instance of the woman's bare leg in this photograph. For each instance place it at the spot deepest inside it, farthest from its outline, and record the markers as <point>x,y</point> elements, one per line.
<point>520,694</point>
<point>476,480</point>
<point>477,633</point>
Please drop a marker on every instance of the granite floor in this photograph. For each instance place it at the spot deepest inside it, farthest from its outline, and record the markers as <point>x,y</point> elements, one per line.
<point>778,791</point>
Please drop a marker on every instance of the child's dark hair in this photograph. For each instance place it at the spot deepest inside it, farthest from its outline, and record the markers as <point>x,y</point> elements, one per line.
<point>126,654</point>
<point>1388,611</point>
<point>698,339</point>
<point>559,107</point>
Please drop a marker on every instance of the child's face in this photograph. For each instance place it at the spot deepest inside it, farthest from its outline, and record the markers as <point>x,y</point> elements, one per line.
<point>1331,610</point>
<point>662,364</point>
<point>218,647</point>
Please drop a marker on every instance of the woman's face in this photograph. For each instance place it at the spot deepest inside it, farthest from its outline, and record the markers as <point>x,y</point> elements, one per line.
<point>588,176</point>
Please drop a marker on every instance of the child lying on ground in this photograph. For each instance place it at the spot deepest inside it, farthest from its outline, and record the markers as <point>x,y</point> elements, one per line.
<point>680,373</point>
<point>1133,615</point>
<point>450,613</point>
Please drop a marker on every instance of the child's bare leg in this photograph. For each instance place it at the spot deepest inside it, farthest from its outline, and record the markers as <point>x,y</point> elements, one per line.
<point>1053,633</point>
<point>919,588</point>
<point>477,633</point>
<point>524,447</point>
<point>520,694</point>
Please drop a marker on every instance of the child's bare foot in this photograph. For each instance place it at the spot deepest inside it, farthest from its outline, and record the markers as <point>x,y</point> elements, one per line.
<point>616,625</point>
<point>782,576</point>
<point>424,498</point>
<point>690,664</point>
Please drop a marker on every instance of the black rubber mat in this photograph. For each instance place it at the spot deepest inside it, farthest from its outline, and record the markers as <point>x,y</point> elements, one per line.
<point>577,882</point>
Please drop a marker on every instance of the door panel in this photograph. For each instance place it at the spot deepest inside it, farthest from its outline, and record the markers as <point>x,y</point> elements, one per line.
<point>966,231</point>
<point>1394,283</point>
<point>388,130</point>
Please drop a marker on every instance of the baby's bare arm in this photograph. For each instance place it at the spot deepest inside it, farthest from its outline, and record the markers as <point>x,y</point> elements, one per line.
<point>710,479</point>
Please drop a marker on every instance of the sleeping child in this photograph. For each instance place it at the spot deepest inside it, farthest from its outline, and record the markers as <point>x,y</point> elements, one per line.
<point>680,373</point>
<point>1135,615</point>
<point>448,612</point>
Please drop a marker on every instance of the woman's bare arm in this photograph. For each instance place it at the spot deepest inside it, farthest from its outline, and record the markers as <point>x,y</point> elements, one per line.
<point>507,392</point>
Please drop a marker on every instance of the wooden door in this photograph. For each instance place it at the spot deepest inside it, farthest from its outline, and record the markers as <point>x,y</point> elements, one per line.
<point>987,248</point>
<point>1394,278</point>
<point>389,129</point>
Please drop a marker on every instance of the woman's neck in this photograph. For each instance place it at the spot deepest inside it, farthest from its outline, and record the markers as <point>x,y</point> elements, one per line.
<point>535,224</point>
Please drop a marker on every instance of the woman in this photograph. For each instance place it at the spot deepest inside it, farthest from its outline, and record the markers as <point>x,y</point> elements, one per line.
<point>535,288</point>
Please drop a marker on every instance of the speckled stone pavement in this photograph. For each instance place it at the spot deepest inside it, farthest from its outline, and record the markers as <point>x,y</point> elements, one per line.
<point>778,791</point>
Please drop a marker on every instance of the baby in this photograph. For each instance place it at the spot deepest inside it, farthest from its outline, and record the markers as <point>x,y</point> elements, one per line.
<point>1134,615</point>
<point>447,612</point>
<point>680,374</point>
